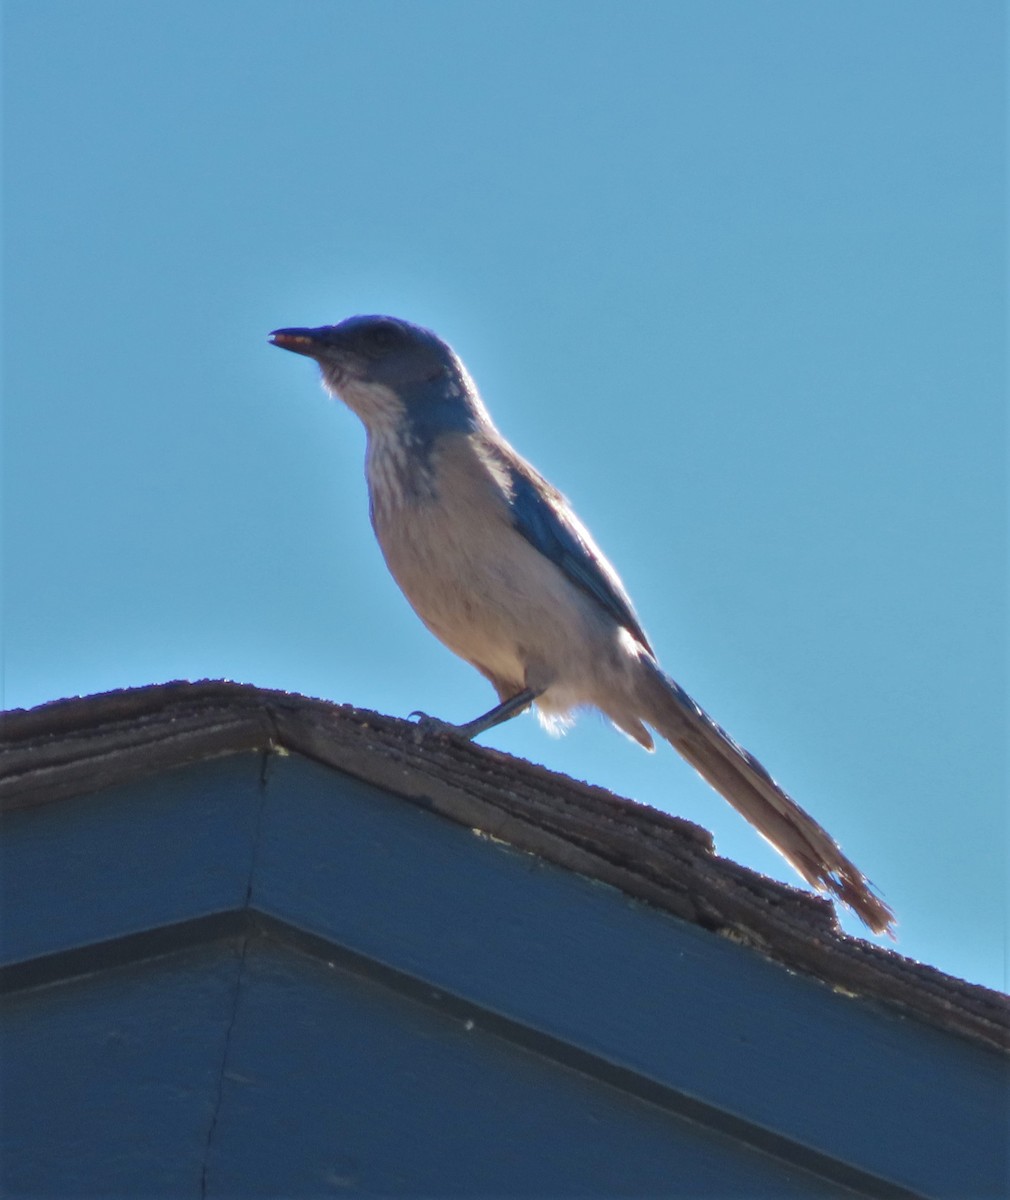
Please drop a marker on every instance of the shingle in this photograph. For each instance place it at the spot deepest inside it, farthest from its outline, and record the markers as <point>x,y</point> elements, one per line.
<point>71,747</point>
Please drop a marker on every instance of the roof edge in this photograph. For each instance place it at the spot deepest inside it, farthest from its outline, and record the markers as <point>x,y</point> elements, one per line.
<point>70,747</point>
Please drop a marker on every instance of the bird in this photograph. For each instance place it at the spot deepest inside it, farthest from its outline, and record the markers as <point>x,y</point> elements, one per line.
<point>497,565</point>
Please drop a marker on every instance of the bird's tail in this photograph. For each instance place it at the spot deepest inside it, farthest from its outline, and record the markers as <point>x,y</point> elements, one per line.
<point>741,779</point>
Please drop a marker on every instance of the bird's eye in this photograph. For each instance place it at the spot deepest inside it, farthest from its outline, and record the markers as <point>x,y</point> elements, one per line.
<point>382,337</point>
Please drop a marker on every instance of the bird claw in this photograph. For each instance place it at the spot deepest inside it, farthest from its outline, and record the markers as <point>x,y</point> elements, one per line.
<point>434,727</point>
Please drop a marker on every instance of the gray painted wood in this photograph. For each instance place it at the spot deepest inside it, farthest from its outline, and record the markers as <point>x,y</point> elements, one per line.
<point>187,1077</point>
<point>636,986</point>
<point>129,858</point>
<point>110,1082</point>
<point>621,984</point>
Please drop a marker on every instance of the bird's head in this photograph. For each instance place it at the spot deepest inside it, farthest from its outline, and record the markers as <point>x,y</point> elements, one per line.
<point>388,370</point>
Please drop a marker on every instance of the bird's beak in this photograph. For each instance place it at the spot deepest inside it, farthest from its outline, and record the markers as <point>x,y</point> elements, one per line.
<point>300,341</point>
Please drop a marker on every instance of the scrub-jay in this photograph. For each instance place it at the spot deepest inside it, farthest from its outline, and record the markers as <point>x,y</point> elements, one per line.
<point>497,565</point>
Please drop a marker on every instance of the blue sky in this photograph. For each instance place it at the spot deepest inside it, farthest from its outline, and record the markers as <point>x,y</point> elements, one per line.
<point>731,274</point>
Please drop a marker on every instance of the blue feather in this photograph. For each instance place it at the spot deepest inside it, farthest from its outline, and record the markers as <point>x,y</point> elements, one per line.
<point>547,526</point>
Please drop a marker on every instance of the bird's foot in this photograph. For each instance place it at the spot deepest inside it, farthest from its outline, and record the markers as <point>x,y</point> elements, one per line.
<point>427,726</point>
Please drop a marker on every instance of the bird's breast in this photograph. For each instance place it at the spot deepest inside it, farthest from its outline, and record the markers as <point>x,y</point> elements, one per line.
<point>445,537</point>
<point>481,587</point>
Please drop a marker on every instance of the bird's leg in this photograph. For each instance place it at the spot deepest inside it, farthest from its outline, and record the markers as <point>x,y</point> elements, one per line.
<point>512,707</point>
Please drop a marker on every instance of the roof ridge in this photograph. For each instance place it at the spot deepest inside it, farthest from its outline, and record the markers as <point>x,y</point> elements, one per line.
<point>77,745</point>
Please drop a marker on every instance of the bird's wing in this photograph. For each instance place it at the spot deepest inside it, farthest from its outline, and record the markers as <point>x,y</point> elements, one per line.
<point>542,515</point>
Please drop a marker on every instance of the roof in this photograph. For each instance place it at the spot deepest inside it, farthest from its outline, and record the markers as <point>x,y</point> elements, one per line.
<point>72,747</point>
